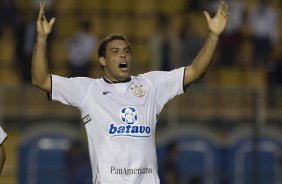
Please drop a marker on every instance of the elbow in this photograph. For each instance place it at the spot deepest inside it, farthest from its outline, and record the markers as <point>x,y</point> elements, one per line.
<point>201,75</point>
<point>39,84</point>
<point>4,156</point>
<point>43,84</point>
<point>35,82</point>
<point>34,79</point>
<point>197,77</point>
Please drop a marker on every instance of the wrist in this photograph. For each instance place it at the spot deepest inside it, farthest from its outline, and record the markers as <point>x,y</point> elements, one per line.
<point>213,36</point>
<point>41,38</point>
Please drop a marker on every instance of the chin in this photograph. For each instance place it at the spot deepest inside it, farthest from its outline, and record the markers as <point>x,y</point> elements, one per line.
<point>124,77</point>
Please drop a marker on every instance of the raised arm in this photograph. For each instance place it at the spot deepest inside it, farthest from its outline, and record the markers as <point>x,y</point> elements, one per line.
<point>203,60</point>
<point>2,157</point>
<point>39,67</point>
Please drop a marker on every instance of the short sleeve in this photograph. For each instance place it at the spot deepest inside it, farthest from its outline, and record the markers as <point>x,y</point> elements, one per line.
<point>70,91</point>
<point>166,84</point>
<point>3,135</point>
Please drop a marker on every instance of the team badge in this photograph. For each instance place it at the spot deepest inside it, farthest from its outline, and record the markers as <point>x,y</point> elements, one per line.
<point>138,90</point>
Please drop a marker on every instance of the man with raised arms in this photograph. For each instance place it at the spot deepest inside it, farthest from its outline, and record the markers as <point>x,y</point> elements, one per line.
<point>120,110</point>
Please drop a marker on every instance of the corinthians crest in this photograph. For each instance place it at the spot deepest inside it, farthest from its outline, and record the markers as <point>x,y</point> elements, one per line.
<point>138,90</point>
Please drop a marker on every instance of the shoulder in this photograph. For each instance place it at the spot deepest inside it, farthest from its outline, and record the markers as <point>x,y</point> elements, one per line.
<point>74,79</point>
<point>162,74</point>
<point>77,82</point>
<point>149,74</point>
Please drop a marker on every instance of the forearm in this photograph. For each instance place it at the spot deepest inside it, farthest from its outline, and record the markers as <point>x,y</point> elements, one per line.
<point>40,70</point>
<point>202,61</point>
<point>204,58</point>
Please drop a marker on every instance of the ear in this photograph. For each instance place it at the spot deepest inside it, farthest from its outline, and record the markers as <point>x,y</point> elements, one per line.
<point>102,61</point>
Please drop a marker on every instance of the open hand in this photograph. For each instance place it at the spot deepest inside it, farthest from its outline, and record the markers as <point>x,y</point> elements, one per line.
<point>42,25</point>
<point>219,21</point>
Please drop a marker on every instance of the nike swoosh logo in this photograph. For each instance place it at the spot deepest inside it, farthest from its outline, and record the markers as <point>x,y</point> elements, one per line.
<point>105,92</point>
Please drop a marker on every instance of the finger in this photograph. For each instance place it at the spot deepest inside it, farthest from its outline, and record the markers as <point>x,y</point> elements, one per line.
<point>220,8</point>
<point>207,15</point>
<point>223,10</point>
<point>52,21</point>
<point>224,6</point>
<point>43,5</point>
<point>42,10</point>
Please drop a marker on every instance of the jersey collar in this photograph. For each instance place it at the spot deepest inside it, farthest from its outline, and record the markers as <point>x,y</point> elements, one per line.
<point>115,82</point>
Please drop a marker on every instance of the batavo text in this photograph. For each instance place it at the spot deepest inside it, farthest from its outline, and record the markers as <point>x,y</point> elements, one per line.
<point>129,130</point>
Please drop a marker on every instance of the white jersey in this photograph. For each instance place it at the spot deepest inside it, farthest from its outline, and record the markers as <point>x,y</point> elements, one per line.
<point>120,121</point>
<point>3,135</point>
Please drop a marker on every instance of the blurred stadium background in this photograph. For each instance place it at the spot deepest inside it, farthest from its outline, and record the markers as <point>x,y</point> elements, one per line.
<point>227,128</point>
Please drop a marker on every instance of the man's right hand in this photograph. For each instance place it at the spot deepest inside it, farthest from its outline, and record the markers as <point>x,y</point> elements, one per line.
<point>42,25</point>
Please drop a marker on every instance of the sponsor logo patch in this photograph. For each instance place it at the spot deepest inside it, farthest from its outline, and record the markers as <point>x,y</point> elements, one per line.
<point>130,125</point>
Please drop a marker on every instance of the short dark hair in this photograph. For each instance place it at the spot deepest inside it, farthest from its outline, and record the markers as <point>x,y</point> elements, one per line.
<point>103,44</point>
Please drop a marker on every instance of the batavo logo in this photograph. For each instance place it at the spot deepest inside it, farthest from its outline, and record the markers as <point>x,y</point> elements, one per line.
<point>130,126</point>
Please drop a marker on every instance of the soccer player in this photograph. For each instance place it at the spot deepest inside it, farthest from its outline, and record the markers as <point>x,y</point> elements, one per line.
<point>3,137</point>
<point>119,110</point>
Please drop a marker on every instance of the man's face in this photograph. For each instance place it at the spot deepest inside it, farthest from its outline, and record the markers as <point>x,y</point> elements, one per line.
<point>117,61</point>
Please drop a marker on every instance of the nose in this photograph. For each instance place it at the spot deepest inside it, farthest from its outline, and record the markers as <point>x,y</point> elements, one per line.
<point>122,55</point>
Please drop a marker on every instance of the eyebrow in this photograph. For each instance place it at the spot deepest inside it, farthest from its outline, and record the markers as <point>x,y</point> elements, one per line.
<point>116,48</point>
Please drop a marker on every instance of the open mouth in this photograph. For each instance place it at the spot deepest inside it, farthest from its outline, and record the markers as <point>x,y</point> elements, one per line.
<point>123,65</point>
